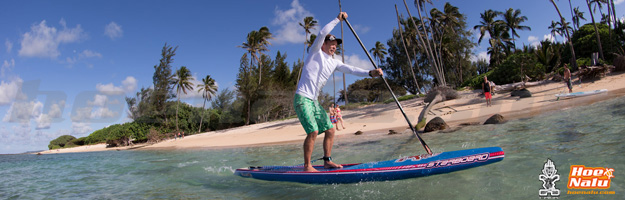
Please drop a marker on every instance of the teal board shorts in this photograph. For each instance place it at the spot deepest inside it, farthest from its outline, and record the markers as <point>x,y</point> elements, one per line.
<point>311,115</point>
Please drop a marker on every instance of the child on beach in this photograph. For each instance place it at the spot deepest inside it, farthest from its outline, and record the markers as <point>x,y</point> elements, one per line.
<point>333,118</point>
<point>339,118</point>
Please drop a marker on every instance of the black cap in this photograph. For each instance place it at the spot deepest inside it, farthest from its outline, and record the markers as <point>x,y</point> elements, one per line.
<point>331,37</point>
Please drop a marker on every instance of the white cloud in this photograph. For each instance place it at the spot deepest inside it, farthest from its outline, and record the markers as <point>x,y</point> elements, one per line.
<point>23,112</point>
<point>617,2</point>
<point>533,41</point>
<point>98,100</point>
<point>128,85</point>
<point>356,61</point>
<point>81,114</point>
<point>9,45</point>
<point>90,54</point>
<point>44,121</point>
<point>480,56</point>
<point>80,128</point>
<point>113,30</point>
<point>44,41</point>
<point>101,113</point>
<point>6,67</point>
<point>361,29</point>
<point>549,37</point>
<point>288,22</point>
<point>10,91</point>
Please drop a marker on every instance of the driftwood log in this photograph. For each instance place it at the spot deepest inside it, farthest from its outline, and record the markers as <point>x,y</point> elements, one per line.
<point>591,72</point>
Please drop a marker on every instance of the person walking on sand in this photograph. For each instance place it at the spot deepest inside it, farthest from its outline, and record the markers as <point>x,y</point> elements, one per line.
<point>338,116</point>
<point>333,117</point>
<point>487,88</point>
<point>318,68</point>
<point>567,78</point>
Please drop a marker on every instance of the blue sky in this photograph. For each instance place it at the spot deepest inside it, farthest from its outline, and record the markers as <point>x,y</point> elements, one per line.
<point>67,65</point>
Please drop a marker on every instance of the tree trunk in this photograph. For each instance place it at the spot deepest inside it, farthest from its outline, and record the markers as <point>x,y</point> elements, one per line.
<point>247,121</point>
<point>427,108</point>
<point>427,48</point>
<point>406,50</point>
<point>177,105</point>
<point>202,117</point>
<point>574,63</point>
<point>596,30</point>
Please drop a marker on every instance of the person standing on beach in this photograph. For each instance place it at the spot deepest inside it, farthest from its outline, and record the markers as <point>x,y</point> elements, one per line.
<point>567,78</point>
<point>487,88</point>
<point>338,116</point>
<point>318,67</point>
<point>333,116</point>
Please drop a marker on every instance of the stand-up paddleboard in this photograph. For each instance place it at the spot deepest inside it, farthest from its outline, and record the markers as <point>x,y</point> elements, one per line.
<point>579,94</point>
<point>403,168</point>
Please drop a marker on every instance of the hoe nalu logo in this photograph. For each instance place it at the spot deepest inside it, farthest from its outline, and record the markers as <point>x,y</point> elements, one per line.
<point>582,177</point>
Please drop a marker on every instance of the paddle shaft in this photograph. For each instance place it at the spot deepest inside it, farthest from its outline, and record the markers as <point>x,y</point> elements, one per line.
<point>427,148</point>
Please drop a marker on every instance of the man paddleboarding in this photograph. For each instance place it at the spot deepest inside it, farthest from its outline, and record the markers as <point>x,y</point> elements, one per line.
<point>318,68</point>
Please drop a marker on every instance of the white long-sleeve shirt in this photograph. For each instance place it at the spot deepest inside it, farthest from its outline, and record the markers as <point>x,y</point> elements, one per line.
<point>319,66</point>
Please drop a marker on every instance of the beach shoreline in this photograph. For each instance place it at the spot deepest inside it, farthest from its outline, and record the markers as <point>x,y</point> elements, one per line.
<point>376,120</point>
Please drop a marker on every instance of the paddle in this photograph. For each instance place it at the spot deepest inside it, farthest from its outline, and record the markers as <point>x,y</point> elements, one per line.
<point>390,90</point>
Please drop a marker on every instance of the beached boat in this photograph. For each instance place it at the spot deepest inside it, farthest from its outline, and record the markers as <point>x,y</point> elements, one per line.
<point>579,94</point>
<point>402,168</point>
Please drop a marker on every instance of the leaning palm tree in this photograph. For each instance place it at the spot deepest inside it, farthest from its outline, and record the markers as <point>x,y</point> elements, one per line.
<point>568,36</point>
<point>423,39</point>
<point>256,44</point>
<point>513,20</point>
<point>308,25</point>
<point>182,81</point>
<point>378,52</point>
<point>598,2</point>
<point>208,89</point>
<point>577,15</point>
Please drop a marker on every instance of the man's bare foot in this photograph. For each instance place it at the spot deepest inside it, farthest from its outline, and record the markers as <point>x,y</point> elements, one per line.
<point>330,164</point>
<point>310,169</point>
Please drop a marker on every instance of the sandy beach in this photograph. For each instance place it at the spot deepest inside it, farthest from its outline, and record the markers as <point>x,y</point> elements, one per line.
<point>380,118</point>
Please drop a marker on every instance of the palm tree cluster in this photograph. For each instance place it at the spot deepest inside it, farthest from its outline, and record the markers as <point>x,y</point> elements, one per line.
<point>150,107</point>
<point>502,32</point>
<point>431,49</point>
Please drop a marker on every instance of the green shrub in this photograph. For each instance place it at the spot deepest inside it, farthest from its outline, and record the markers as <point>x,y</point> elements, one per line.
<point>515,66</point>
<point>476,82</point>
<point>60,141</point>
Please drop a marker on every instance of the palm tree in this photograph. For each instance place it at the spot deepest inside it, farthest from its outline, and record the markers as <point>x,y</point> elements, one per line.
<point>209,88</point>
<point>488,23</point>
<point>568,36</point>
<point>513,22</point>
<point>554,29</point>
<point>378,52</point>
<point>598,2</point>
<point>424,40</point>
<point>182,81</point>
<point>577,16</point>
<point>401,34</point>
<point>256,44</point>
<point>309,24</point>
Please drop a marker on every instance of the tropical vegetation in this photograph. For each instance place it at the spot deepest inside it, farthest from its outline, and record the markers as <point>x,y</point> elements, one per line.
<point>426,51</point>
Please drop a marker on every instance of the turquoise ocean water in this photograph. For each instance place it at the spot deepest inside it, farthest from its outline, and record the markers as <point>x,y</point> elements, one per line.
<point>592,135</point>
